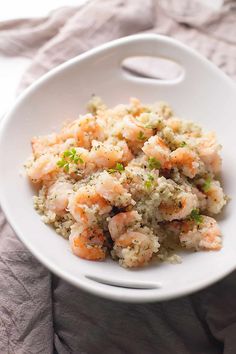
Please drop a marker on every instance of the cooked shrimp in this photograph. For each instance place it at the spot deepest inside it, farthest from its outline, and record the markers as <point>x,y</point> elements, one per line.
<point>201,197</point>
<point>105,154</point>
<point>58,196</point>
<point>183,128</point>
<point>42,168</point>
<point>215,197</point>
<point>187,160</point>
<point>134,130</point>
<point>162,109</point>
<point>136,107</point>
<point>174,123</point>
<point>155,147</point>
<point>208,150</point>
<point>151,120</point>
<point>119,223</point>
<point>87,243</point>
<point>51,144</point>
<point>135,249</point>
<point>179,207</point>
<point>127,155</point>
<point>41,144</point>
<point>86,204</point>
<point>206,235</point>
<point>84,130</point>
<point>82,162</point>
<point>134,179</point>
<point>112,190</point>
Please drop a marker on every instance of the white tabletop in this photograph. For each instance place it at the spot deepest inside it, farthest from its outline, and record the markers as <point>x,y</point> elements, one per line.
<point>12,69</point>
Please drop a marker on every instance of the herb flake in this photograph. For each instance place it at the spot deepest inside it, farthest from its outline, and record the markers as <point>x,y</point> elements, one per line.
<point>207,185</point>
<point>153,163</point>
<point>196,217</point>
<point>182,144</point>
<point>141,136</point>
<point>118,168</point>
<point>69,156</point>
<point>149,182</point>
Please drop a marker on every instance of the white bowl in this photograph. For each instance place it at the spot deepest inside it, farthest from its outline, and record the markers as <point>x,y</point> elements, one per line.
<point>202,93</point>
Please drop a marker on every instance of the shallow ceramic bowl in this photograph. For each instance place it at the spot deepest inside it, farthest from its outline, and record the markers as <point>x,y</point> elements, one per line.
<point>201,92</point>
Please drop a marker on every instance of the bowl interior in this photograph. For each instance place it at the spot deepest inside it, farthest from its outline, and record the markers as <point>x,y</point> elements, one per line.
<point>64,94</point>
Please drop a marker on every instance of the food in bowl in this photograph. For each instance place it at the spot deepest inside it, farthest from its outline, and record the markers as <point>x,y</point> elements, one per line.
<point>134,181</point>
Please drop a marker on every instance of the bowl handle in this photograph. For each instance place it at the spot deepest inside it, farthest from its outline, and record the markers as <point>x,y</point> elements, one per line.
<point>122,290</point>
<point>113,53</point>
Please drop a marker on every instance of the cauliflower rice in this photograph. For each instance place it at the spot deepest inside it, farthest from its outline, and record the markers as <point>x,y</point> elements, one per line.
<point>134,181</point>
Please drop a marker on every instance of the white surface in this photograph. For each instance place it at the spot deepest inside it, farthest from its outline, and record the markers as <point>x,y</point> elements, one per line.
<point>12,69</point>
<point>58,96</point>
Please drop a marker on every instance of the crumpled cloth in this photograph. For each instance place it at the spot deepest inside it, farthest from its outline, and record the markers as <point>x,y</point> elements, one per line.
<point>40,313</point>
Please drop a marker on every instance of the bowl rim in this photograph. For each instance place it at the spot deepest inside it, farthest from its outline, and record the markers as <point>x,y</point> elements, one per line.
<point>140,296</point>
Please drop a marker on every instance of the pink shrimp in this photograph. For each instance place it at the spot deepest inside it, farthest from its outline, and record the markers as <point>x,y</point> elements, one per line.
<point>112,190</point>
<point>86,204</point>
<point>187,160</point>
<point>58,196</point>
<point>134,131</point>
<point>105,154</point>
<point>206,235</point>
<point>209,152</point>
<point>155,147</point>
<point>119,223</point>
<point>135,249</point>
<point>41,144</point>
<point>84,130</point>
<point>179,208</point>
<point>87,243</point>
<point>43,168</point>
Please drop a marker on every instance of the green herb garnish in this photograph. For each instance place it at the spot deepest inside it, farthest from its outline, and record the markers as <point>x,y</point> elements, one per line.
<point>69,156</point>
<point>182,144</point>
<point>148,125</point>
<point>207,185</point>
<point>118,168</point>
<point>63,164</point>
<point>148,183</point>
<point>73,156</point>
<point>150,177</point>
<point>153,163</point>
<point>196,217</point>
<point>141,136</point>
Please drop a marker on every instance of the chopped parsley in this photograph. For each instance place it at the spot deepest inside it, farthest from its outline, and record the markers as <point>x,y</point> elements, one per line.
<point>182,144</point>
<point>196,217</point>
<point>69,156</point>
<point>141,136</point>
<point>149,126</point>
<point>207,184</point>
<point>63,164</point>
<point>118,168</point>
<point>148,183</point>
<point>73,156</point>
<point>153,163</point>
<point>150,177</point>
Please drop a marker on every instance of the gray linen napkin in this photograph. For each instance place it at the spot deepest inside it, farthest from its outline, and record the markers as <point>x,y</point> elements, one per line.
<point>40,313</point>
